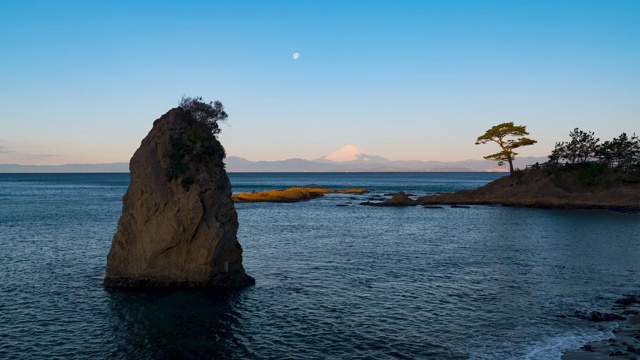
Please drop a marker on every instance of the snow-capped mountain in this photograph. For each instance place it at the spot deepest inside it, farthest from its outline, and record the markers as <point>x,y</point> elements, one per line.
<point>349,158</point>
<point>351,153</point>
<point>346,153</point>
<point>353,159</point>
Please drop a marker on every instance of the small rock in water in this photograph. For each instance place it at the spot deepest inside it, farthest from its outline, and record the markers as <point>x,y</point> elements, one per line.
<point>628,300</point>
<point>597,316</point>
<point>618,353</point>
<point>587,348</point>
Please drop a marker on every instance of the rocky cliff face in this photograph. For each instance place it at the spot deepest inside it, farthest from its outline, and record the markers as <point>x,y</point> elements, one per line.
<point>178,225</point>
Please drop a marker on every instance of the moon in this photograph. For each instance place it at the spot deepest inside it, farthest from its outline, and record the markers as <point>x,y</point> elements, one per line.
<point>296,56</point>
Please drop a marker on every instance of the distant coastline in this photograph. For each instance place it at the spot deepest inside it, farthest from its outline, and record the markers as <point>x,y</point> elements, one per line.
<point>240,165</point>
<point>121,167</point>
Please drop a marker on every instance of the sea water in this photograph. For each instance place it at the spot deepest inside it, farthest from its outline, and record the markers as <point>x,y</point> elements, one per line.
<point>348,281</point>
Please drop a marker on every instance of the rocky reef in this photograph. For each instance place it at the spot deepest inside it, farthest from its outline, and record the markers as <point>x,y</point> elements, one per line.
<point>178,225</point>
<point>625,343</point>
<point>294,194</point>
<point>539,188</point>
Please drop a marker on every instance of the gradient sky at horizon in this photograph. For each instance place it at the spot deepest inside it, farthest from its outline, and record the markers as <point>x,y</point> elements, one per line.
<point>82,81</point>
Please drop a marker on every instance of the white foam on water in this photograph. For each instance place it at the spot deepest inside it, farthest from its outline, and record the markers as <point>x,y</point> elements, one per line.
<point>551,348</point>
<point>531,342</point>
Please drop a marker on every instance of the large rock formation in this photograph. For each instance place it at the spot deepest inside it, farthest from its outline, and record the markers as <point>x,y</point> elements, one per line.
<point>178,225</point>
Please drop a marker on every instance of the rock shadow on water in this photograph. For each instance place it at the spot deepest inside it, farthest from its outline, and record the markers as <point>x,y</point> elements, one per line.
<point>161,324</point>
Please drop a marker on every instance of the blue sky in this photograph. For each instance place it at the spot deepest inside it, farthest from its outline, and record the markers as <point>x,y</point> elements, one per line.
<point>82,81</point>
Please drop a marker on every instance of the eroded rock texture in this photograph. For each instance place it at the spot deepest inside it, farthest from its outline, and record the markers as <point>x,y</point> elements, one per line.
<point>178,225</point>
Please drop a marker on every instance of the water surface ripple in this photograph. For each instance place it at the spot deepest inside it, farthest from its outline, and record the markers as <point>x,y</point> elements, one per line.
<point>356,282</point>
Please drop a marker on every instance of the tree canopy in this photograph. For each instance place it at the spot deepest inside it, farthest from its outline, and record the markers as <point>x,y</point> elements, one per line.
<point>207,114</point>
<point>499,134</point>
<point>198,145</point>
<point>620,153</point>
<point>582,148</point>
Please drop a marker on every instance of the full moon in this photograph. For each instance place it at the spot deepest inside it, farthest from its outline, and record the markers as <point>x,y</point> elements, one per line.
<point>296,56</point>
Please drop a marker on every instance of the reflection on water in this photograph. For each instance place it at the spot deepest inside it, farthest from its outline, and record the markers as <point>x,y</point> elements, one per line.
<point>177,325</point>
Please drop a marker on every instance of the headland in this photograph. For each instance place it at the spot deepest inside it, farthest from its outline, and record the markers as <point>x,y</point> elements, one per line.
<point>542,188</point>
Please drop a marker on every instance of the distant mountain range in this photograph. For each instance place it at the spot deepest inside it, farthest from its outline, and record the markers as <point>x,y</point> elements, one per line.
<point>68,168</point>
<point>347,159</point>
<point>353,159</point>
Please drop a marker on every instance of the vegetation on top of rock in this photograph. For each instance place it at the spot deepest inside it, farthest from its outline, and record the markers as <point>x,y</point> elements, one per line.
<point>206,114</point>
<point>581,173</point>
<point>198,145</point>
<point>597,164</point>
<point>621,153</point>
<point>498,134</point>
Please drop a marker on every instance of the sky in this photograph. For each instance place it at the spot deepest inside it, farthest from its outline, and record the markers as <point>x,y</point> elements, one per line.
<point>83,81</point>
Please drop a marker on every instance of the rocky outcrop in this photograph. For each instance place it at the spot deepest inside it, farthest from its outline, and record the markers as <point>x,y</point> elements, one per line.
<point>397,199</point>
<point>624,344</point>
<point>290,195</point>
<point>542,188</point>
<point>536,188</point>
<point>178,225</point>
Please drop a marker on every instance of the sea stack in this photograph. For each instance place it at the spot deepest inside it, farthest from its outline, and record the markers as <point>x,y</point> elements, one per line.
<point>178,225</point>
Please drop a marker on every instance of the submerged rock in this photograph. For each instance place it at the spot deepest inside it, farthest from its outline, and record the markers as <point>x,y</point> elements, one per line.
<point>398,199</point>
<point>178,225</point>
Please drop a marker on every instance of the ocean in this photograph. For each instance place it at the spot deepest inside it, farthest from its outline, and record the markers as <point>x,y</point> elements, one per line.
<point>332,282</point>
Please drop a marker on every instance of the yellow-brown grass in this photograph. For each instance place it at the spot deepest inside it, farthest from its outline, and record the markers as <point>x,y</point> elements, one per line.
<point>290,195</point>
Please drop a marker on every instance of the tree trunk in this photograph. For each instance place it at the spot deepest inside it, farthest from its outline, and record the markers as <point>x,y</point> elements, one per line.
<point>510,167</point>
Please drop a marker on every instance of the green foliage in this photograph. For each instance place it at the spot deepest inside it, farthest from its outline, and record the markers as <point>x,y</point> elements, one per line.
<point>592,174</point>
<point>178,158</point>
<point>633,177</point>
<point>499,134</point>
<point>584,163</point>
<point>582,148</point>
<point>205,114</point>
<point>622,153</point>
<point>584,176</point>
<point>198,146</point>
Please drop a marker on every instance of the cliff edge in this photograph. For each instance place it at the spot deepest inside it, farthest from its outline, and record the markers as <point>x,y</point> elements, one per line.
<point>178,225</point>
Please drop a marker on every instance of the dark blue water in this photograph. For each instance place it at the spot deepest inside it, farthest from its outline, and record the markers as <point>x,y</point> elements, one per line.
<point>350,281</point>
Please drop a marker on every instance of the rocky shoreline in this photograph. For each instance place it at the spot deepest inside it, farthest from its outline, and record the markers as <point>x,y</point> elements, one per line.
<point>626,341</point>
<point>532,188</point>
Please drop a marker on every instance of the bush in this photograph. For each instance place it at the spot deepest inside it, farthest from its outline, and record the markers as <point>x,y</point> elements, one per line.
<point>582,148</point>
<point>207,114</point>
<point>197,147</point>
<point>580,177</point>
<point>592,174</point>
